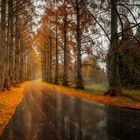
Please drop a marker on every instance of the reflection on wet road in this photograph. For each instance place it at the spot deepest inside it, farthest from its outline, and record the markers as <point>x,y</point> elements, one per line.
<point>46,115</point>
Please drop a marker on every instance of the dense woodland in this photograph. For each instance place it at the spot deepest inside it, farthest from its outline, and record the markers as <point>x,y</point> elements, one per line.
<point>74,42</point>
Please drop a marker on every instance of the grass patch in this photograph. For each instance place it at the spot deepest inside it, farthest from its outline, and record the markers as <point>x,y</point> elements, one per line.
<point>8,103</point>
<point>132,93</point>
<point>97,87</point>
<point>126,101</point>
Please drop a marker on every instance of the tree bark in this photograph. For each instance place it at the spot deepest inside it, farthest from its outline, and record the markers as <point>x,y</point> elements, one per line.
<point>57,63</point>
<point>65,68</point>
<point>10,41</point>
<point>21,71</point>
<point>79,79</point>
<point>113,66</point>
<point>3,44</point>
<point>50,60</point>
<point>17,49</point>
<point>44,64</point>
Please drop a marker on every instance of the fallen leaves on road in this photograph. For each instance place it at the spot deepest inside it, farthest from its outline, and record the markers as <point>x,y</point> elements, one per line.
<point>97,97</point>
<point>8,103</point>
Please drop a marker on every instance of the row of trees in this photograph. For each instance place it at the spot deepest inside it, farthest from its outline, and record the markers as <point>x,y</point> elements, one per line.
<point>72,42</point>
<point>16,53</point>
<point>75,30</point>
<point>60,38</point>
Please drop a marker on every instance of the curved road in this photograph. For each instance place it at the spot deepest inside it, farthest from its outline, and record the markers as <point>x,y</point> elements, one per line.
<point>47,115</point>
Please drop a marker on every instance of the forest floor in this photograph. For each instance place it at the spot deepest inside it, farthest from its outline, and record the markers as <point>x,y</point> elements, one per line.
<point>9,100</point>
<point>95,92</point>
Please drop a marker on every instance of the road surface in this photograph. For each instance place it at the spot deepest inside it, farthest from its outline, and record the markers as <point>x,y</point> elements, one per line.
<point>47,115</point>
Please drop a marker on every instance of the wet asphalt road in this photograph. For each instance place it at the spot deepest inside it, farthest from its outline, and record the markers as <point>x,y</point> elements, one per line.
<point>47,115</point>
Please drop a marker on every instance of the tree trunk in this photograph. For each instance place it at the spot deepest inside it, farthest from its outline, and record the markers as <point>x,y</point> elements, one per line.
<point>65,68</point>
<point>57,63</point>
<point>17,46</point>
<point>50,60</point>
<point>113,66</point>
<point>21,63</point>
<point>17,59</point>
<point>10,41</point>
<point>3,44</point>
<point>44,64</point>
<point>79,79</point>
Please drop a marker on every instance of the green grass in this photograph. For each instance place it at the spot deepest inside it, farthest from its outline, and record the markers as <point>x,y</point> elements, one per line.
<point>131,92</point>
<point>97,87</point>
<point>128,101</point>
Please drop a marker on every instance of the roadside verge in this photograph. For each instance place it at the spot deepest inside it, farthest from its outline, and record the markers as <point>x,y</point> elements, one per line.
<point>9,100</point>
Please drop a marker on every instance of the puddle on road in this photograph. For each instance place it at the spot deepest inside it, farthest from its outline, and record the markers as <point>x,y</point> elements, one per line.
<point>50,116</point>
